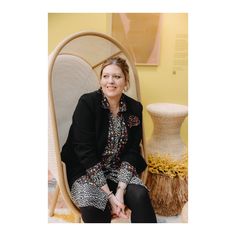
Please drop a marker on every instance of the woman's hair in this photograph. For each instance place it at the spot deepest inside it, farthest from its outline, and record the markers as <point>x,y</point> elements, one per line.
<point>120,62</point>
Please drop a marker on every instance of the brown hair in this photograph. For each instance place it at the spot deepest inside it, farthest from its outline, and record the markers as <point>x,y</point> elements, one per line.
<point>120,62</point>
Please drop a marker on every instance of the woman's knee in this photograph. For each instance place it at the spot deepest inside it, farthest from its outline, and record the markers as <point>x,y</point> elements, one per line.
<point>137,194</point>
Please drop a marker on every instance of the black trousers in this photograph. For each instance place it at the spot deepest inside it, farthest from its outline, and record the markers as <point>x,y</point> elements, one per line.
<point>136,199</point>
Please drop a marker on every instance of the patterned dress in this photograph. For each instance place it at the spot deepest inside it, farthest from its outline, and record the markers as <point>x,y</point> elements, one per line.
<point>86,190</point>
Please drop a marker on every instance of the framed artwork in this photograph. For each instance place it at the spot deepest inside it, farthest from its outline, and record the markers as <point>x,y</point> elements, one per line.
<point>140,34</point>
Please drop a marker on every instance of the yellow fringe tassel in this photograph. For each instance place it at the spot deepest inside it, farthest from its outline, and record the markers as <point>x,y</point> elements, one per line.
<point>163,164</point>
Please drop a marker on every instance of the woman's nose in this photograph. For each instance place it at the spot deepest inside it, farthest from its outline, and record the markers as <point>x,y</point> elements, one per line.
<point>111,79</point>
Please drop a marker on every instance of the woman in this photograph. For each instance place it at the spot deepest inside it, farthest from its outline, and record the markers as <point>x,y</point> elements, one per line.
<point>102,152</point>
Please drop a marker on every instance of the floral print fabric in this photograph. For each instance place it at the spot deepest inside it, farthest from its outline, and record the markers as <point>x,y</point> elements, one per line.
<point>86,191</point>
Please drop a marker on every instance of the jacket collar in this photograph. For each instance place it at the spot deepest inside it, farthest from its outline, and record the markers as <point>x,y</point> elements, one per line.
<point>105,104</point>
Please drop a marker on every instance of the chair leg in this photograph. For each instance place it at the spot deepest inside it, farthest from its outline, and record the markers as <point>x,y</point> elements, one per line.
<point>78,219</point>
<point>144,176</point>
<point>54,201</point>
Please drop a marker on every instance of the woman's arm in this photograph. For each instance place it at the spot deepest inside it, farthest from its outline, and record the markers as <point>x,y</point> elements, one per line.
<point>83,139</point>
<point>126,172</point>
<point>132,152</point>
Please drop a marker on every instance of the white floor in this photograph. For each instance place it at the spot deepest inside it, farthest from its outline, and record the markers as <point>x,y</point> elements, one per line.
<point>160,219</point>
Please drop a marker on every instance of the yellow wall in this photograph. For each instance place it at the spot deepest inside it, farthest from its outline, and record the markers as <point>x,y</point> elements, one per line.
<point>157,83</point>
<point>61,25</point>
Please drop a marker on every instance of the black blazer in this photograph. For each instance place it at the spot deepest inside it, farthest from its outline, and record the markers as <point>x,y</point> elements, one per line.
<point>88,136</point>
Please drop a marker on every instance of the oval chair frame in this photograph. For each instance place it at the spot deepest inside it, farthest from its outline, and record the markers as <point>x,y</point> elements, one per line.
<point>62,184</point>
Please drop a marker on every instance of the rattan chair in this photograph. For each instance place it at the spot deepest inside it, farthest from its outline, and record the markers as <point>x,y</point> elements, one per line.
<point>74,68</point>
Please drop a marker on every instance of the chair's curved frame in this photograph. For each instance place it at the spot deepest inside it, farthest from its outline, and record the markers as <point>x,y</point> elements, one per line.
<point>62,184</point>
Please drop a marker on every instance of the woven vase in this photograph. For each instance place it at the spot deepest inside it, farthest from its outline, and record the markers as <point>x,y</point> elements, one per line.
<point>168,194</point>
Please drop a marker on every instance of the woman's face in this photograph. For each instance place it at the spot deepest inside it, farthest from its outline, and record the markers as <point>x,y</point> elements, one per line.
<point>112,81</point>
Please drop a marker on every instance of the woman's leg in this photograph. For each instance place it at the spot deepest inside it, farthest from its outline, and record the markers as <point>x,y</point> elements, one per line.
<point>94,215</point>
<point>87,194</point>
<point>138,201</point>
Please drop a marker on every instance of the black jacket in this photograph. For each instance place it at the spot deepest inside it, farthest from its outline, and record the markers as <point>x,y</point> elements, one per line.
<point>88,136</point>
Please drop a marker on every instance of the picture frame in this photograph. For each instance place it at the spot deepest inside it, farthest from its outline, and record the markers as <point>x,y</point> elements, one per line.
<point>140,34</point>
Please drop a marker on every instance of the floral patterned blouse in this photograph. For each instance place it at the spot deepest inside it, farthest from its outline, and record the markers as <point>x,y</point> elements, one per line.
<point>86,190</point>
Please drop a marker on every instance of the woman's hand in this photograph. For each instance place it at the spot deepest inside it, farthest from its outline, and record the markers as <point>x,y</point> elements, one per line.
<point>121,209</point>
<point>117,207</point>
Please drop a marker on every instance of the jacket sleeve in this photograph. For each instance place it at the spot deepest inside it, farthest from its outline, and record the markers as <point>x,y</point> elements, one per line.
<point>84,140</point>
<point>132,152</point>
<point>126,172</point>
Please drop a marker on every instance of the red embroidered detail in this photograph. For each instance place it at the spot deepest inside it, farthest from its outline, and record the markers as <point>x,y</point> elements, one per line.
<point>133,121</point>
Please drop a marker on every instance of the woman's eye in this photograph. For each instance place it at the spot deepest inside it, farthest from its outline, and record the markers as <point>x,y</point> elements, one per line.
<point>117,76</point>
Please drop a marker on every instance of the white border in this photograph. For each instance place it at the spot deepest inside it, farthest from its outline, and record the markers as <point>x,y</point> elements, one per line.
<point>211,116</point>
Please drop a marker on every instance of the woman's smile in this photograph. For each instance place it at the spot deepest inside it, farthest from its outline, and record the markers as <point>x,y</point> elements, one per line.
<point>112,82</point>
